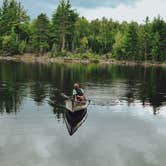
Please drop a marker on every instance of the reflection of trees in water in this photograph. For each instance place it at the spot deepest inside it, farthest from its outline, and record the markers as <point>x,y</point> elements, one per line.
<point>149,82</point>
<point>131,84</point>
<point>10,97</point>
<point>56,101</point>
<point>154,83</point>
<point>38,92</point>
<point>59,112</point>
<point>48,81</point>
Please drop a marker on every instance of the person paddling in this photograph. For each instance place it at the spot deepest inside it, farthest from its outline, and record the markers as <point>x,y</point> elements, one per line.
<point>78,93</point>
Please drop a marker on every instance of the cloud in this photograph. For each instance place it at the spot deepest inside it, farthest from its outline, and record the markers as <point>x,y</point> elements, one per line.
<point>138,12</point>
<point>48,6</point>
<point>85,3</point>
<point>102,3</point>
<point>119,10</point>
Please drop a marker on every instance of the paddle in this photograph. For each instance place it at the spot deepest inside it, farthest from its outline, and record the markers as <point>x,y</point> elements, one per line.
<point>65,96</point>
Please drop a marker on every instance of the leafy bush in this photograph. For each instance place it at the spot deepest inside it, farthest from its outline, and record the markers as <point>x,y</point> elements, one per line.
<point>62,54</point>
<point>22,47</point>
<point>9,46</point>
<point>94,60</point>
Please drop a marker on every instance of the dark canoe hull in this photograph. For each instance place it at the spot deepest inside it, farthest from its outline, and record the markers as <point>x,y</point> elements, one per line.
<point>75,120</point>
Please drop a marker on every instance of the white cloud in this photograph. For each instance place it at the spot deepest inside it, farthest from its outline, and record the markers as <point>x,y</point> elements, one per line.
<point>128,10</point>
<point>98,3</point>
<point>138,12</point>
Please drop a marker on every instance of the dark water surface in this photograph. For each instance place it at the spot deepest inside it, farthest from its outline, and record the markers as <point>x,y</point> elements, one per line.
<point>125,123</point>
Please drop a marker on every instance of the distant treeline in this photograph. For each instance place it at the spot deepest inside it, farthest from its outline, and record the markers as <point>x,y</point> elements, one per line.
<point>67,33</point>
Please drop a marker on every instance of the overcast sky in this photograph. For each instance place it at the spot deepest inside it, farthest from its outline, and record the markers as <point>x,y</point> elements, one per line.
<point>119,10</point>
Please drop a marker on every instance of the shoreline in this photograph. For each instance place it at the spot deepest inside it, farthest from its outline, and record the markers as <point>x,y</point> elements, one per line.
<point>31,58</point>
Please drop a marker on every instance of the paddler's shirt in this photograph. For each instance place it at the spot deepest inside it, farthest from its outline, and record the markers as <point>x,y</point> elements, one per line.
<point>79,92</point>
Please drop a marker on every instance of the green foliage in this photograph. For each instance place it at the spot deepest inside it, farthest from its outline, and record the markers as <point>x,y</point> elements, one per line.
<point>101,38</point>
<point>94,60</point>
<point>118,46</point>
<point>22,47</point>
<point>131,42</point>
<point>61,54</point>
<point>82,31</point>
<point>41,34</point>
<point>145,40</point>
<point>54,51</point>
<point>63,23</point>
<point>12,17</point>
<point>155,47</point>
<point>84,44</point>
<point>159,26</point>
<point>67,32</point>
<point>9,45</point>
<point>86,56</point>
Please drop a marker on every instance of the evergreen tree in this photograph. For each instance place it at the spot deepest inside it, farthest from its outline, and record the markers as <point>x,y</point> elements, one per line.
<point>63,25</point>
<point>159,27</point>
<point>82,31</point>
<point>9,45</point>
<point>12,15</point>
<point>41,34</point>
<point>145,39</point>
<point>12,18</point>
<point>155,46</point>
<point>118,46</point>
<point>131,42</point>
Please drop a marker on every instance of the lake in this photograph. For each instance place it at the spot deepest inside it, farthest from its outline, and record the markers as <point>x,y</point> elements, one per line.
<point>125,123</point>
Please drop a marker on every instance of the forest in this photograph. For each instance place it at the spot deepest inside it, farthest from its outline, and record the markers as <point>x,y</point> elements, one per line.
<point>68,34</point>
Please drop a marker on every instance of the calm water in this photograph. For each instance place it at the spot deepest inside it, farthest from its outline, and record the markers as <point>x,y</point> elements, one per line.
<point>125,124</point>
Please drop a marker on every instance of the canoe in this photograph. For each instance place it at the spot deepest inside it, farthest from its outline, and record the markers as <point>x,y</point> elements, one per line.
<point>74,120</point>
<point>76,106</point>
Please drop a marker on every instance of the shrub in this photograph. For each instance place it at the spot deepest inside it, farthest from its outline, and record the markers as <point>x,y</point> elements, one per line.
<point>22,47</point>
<point>9,46</point>
<point>94,60</point>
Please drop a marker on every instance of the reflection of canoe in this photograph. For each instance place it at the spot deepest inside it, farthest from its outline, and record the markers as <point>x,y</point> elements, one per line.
<point>75,120</point>
<point>76,106</point>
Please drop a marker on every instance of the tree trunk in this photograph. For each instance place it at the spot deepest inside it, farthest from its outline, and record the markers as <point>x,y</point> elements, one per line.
<point>63,43</point>
<point>145,53</point>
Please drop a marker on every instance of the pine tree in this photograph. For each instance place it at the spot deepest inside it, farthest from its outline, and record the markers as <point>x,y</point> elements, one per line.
<point>63,24</point>
<point>12,19</point>
<point>131,42</point>
<point>159,26</point>
<point>118,47</point>
<point>41,34</point>
<point>145,39</point>
<point>155,46</point>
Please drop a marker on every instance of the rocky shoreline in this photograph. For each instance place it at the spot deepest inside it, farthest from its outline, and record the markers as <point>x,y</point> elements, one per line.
<point>29,58</point>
